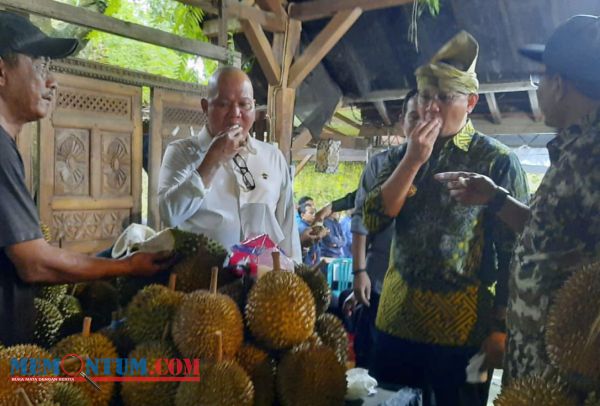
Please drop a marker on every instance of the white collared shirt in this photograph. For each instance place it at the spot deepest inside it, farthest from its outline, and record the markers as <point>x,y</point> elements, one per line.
<point>227,211</point>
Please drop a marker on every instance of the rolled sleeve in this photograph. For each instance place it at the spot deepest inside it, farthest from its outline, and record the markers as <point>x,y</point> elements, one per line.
<point>180,187</point>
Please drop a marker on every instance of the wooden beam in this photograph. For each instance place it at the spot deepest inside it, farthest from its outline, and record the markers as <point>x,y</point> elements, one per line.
<point>535,106</point>
<point>314,10</point>
<point>334,131</point>
<point>347,120</point>
<point>382,110</point>
<point>494,109</point>
<point>398,94</point>
<point>266,19</point>
<point>205,5</point>
<point>301,165</point>
<point>302,139</point>
<point>321,45</point>
<point>210,28</point>
<point>222,29</point>
<point>272,5</point>
<point>262,49</point>
<point>97,21</point>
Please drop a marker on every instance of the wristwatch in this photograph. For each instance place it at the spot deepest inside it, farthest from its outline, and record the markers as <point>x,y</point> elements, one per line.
<point>498,200</point>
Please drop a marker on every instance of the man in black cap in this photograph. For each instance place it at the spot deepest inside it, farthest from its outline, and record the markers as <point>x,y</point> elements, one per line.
<point>561,229</point>
<point>27,91</point>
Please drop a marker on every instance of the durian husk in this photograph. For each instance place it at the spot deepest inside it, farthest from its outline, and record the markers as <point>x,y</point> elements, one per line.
<point>311,376</point>
<point>238,291</point>
<point>318,285</point>
<point>280,311</point>
<point>535,391</point>
<point>572,336</point>
<point>333,334</point>
<point>98,299</point>
<point>94,346</point>
<point>221,384</point>
<point>71,310</point>
<point>150,393</point>
<point>52,293</point>
<point>67,394</point>
<point>199,317</point>
<point>261,369</point>
<point>47,323</point>
<point>37,392</point>
<point>199,255</point>
<point>150,312</point>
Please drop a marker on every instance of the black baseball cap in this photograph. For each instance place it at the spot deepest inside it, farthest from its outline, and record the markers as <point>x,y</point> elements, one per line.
<point>18,34</point>
<point>573,51</point>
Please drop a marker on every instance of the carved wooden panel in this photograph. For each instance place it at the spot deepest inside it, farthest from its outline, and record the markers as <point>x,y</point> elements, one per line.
<point>72,162</point>
<point>116,164</point>
<point>91,163</point>
<point>86,225</point>
<point>175,115</point>
<point>69,99</point>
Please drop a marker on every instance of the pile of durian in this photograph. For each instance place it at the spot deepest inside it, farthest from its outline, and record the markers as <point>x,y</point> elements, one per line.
<point>572,347</point>
<point>264,342</point>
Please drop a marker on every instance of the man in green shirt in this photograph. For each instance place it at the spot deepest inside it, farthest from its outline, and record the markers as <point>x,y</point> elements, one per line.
<point>437,308</point>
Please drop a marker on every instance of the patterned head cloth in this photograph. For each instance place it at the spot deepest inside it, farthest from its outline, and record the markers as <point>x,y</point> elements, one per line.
<point>452,68</point>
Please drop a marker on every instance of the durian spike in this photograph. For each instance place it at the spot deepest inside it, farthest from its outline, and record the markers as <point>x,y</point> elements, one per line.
<point>172,281</point>
<point>219,339</point>
<point>87,326</point>
<point>214,275</point>
<point>276,261</point>
<point>21,392</point>
<point>594,332</point>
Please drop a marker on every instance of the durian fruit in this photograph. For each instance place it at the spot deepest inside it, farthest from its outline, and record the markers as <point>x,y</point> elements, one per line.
<point>46,232</point>
<point>52,293</point>
<point>117,333</point>
<point>67,394</point>
<point>238,291</point>
<point>281,309</point>
<point>311,376</point>
<point>36,392</point>
<point>71,310</point>
<point>150,312</point>
<point>200,254</point>
<point>200,315</point>
<point>90,346</point>
<point>98,300</point>
<point>150,393</point>
<point>318,285</point>
<point>572,336</point>
<point>333,334</point>
<point>535,391</point>
<point>223,383</point>
<point>47,322</point>
<point>261,369</point>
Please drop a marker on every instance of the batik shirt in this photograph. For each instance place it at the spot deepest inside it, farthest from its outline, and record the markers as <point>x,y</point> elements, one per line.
<point>563,233</point>
<point>445,256</point>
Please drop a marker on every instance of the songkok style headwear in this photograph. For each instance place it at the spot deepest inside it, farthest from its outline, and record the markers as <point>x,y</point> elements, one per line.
<point>452,68</point>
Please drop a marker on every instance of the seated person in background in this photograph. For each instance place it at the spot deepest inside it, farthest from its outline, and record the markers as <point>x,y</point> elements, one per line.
<point>346,223</point>
<point>312,234</point>
<point>223,183</point>
<point>301,201</point>
<point>332,245</point>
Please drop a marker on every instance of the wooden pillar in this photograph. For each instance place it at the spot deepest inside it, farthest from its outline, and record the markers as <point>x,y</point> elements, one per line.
<point>284,100</point>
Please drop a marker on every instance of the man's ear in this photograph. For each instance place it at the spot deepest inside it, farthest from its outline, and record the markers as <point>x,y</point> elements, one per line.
<point>472,100</point>
<point>560,88</point>
<point>204,105</point>
<point>3,68</point>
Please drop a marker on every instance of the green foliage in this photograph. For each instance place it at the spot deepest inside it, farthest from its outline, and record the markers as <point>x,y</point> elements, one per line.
<point>166,15</point>
<point>432,5</point>
<point>325,187</point>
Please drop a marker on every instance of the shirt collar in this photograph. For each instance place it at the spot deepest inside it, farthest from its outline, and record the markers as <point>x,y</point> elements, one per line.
<point>462,139</point>
<point>205,139</point>
<point>588,127</point>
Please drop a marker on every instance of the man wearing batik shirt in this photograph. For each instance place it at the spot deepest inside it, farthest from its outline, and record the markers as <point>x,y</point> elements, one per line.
<point>437,309</point>
<point>561,230</point>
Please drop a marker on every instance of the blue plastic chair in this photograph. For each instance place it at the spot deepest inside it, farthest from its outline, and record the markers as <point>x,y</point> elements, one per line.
<point>339,275</point>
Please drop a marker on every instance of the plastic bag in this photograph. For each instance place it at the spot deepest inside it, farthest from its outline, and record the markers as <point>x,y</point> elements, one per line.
<point>359,384</point>
<point>253,257</point>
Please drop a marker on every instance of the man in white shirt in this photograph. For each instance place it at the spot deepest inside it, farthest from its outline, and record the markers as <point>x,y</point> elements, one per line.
<point>223,183</point>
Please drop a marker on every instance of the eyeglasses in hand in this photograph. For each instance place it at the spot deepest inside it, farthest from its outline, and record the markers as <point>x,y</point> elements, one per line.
<point>247,177</point>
